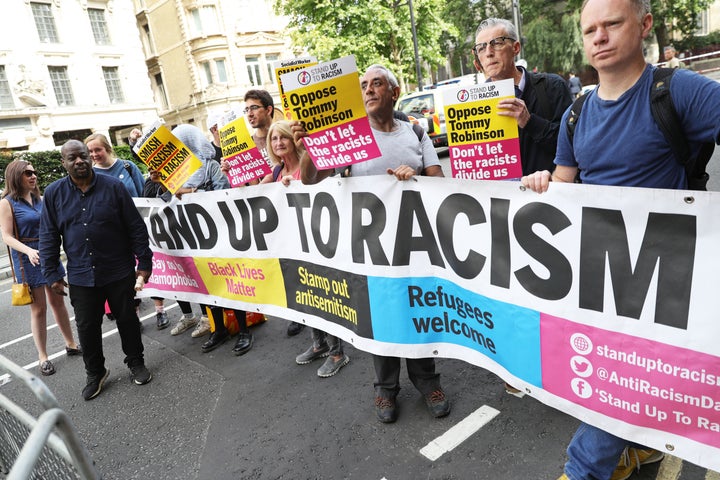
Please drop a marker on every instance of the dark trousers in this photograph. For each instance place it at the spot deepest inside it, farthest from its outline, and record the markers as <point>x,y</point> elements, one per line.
<point>185,307</point>
<point>420,370</point>
<point>89,306</point>
<point>217,315</point>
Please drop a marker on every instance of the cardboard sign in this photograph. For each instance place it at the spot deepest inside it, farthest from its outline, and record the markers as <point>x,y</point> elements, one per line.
<point>239,150</point>
<point>327,100</point>
<point>162,151</point>
<point>282,67</point>
<point>483,144</point>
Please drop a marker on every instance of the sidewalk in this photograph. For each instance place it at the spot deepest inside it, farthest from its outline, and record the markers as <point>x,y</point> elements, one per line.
<point>4,262</point>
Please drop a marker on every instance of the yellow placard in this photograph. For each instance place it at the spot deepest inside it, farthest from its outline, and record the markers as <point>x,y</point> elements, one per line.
<point>165,153</point>
<point>327,104</point>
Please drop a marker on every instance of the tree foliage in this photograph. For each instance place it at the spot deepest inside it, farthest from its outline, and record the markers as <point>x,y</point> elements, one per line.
<point>375,31</point>
<point>675,17</point>
<point>379,31</point>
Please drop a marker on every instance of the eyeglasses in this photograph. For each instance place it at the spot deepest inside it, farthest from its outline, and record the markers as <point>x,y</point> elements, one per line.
<point>495,44</point>
<point>252,108</point>
<point>29,173</point>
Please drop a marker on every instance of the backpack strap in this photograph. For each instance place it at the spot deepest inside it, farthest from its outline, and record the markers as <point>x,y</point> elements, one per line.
<point>572,119</point>
<point>127,166</point>
<point>665,115</point>
<point>419,131</point>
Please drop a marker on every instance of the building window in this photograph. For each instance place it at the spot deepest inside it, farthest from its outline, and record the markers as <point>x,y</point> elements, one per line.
<point>253,69</point>
<point>61,85</point>
<point>148,41</point>
<point>160,93</point>
<point>99,26</point>
<point>221,71</point>
<point>270,59</point>
<point>44,22</point>
<point>204,21</point>
<point>206,74</point>
<point>702,23</point>
<point>6,100</point>
<point>112,82</point>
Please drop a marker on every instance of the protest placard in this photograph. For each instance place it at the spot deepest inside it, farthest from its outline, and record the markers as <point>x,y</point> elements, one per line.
<point>239,150</point>
<point>483,145</point>
<point>327,100</point>
<point>282,67</point>
<point>163,152</point>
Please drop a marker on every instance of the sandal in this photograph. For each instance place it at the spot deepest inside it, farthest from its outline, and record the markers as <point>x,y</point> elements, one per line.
<point>47,368</point>
<point>71,352</point>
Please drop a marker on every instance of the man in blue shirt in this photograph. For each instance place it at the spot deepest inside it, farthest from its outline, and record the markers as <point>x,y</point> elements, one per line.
<point>103,235</point>
<point>617,142</point>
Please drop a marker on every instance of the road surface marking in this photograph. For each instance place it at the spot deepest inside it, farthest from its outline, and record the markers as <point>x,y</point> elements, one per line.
<point>459,433</point>
<point>5,378</point>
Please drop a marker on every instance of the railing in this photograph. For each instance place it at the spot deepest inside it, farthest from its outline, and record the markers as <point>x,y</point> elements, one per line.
<point>702,57</point>
<point>45,448</point>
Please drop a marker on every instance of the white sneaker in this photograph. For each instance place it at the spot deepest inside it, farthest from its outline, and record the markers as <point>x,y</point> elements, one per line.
<point>183,324</point>
<point>203,328</point>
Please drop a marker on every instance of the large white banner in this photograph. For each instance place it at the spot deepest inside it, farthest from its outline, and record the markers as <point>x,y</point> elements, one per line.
<point>598,301</point>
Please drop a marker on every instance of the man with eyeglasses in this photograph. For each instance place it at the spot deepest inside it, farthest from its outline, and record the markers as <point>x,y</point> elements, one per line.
<point>541,98</point>
<point>259,111</point>
<point>539,103</point>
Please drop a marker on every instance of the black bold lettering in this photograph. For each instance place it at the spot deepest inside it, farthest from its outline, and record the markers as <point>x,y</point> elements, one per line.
<point>179,227</point>
<point>325,201</point>
<point>299,201</point>
<point>264,219</point>
<point>367,234</point>
<point>668,246</point>
<point>411,208</point>
<point>195,212</point>
<point>244,242</point>
<point>500,255</point>
<point>558,283</point>
<point>449,209</point>
<point>158,233</point>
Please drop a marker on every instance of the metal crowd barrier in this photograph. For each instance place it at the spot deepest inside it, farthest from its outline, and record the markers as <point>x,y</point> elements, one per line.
<point>44,448</point>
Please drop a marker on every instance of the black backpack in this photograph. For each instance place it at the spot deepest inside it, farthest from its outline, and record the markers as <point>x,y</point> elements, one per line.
<point>666,117</point>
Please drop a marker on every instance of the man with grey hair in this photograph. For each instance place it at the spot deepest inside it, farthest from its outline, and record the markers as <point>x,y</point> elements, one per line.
<point>541,98</point>
<point>403,158</point>
<point>616,141</point>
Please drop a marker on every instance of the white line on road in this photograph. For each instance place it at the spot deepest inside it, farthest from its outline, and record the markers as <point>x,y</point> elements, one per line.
<point>6,377</point>
<point>459,433</point>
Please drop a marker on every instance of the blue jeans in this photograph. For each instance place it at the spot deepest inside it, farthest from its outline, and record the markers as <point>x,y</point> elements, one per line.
<point>320,339</point>
<point>89,306</point>
<point>593,454</point>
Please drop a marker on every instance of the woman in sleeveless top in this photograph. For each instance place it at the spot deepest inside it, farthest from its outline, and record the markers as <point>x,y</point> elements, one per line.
<point>283,153</point>
<point>22,198</point>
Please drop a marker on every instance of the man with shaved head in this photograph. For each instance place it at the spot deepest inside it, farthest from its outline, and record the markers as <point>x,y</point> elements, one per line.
<point>103,235</point>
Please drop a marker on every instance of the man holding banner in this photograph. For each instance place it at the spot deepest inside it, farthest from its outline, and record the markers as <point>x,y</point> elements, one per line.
<point>541,98</point>
<point>400,156</point>
<point>613,34</point>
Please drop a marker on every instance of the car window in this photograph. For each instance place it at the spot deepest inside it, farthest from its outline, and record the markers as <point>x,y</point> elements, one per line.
<point>419,105</point>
